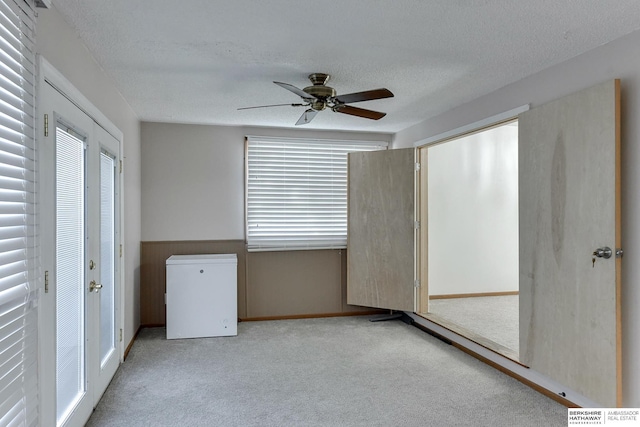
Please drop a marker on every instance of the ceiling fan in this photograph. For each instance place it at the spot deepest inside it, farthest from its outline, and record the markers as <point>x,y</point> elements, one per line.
<point>319,97</point>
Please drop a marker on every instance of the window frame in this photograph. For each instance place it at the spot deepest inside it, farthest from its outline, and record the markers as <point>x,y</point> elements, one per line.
<point>300,241</point>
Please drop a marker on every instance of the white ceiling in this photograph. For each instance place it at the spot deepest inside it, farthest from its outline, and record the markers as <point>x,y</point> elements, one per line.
<point>197,61</point>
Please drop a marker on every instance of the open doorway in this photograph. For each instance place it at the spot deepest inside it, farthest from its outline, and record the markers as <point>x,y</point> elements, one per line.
<point>568,276</point>
<point>472,235</point>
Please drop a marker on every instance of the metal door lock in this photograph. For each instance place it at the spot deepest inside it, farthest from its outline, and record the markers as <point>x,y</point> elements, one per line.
<point>605,252</point>
<point>93,286</point>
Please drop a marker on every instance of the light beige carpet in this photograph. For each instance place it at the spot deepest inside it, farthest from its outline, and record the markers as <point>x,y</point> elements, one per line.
<point>315,372</point>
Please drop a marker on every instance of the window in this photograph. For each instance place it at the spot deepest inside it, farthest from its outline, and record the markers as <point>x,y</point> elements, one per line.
<point>18,292</point>
<point>297,192</point>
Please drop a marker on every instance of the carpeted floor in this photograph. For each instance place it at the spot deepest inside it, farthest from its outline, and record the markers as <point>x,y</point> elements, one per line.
<point>495,318</point>
<point>315,372</point>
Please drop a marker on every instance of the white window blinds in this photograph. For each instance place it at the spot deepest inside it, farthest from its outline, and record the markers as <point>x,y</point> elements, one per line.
<point>18,292</point>
<point>297,192</point>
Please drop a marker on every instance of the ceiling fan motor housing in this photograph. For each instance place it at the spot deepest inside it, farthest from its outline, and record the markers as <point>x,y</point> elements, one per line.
<point>320,90</point>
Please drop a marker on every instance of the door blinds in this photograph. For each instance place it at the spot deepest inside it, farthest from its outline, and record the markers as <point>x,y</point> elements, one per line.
<point>18,292</point>
<point>297,192</point>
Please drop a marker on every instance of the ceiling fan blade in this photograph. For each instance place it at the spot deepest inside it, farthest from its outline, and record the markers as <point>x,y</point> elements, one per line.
<point>368,95</point>
<point>306,117</point>
<point>299,92</point>
<point>273,105</point>
<point>359,112</point>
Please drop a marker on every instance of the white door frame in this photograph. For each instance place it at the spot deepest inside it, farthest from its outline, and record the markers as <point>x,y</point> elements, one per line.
<point>47,74</point>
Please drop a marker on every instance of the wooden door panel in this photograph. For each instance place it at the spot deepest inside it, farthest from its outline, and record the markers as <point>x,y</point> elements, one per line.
<point>569,206</point>
<point>381,218</point>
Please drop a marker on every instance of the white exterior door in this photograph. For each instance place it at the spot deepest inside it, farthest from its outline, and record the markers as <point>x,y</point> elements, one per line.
<point>78,189</point>
<point>105,254</point>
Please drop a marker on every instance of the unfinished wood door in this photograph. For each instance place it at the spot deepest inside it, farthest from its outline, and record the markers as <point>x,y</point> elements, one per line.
<point>381,224</point>
<point>569,192</point>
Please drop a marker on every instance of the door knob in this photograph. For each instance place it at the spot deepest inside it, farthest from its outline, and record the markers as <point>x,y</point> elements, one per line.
<point>93,286</point>
<point>603,252</point>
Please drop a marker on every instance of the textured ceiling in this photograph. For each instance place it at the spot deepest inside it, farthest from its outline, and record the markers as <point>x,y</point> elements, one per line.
<point>197,61</point>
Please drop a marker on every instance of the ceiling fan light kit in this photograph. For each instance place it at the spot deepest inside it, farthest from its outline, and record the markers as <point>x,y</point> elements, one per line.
<point>319,97</point>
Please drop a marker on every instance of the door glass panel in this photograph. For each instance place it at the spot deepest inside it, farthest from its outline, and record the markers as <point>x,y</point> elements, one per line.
<point>107,257</point>
<point>70,256</point>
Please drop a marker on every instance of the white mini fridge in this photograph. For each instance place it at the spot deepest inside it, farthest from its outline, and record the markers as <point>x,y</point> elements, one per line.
<point>202,296</point>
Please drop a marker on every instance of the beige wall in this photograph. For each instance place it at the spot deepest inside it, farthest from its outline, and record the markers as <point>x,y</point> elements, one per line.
<point>270,284</point>
<point>193,178</point>
<point>192,182</point>
<point>57,43</point>
<point>193,199</point>
<point>618,59</point>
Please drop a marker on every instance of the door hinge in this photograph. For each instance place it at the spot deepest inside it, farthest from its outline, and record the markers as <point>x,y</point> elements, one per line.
<point>416,225</point>
<point>416,167</point>
<point>46,282</point>
<point>416,283</point>
<point>120,335</point>
<point>120,251</point>
<point>46,125</point>
<point>120,166</point>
